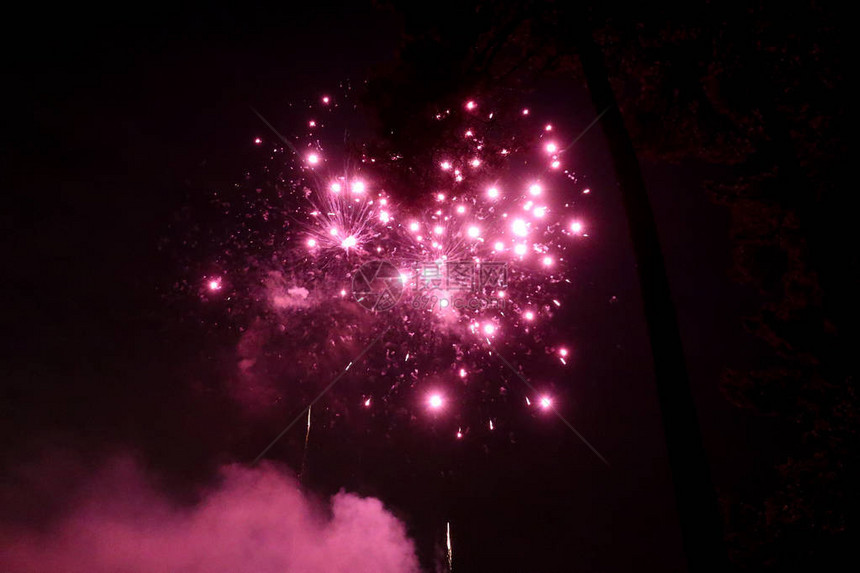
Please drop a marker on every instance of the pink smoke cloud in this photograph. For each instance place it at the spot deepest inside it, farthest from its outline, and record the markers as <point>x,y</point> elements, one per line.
<point>256,520</point>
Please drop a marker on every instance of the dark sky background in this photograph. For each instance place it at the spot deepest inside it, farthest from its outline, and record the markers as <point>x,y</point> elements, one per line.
<point>112,121</point>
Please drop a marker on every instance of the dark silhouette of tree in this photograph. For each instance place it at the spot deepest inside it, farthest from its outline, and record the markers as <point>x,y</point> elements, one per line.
<point>760,87</point>
<point>756,88</point>
<point>694,493</point>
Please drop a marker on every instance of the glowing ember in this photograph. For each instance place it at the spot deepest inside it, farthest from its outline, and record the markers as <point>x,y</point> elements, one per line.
<point>535,189</point>
<point>435,401</point>
<point>551,147</point>
<point>348,242</point>
<point>215,285</point>
<point>492,193</point>
<point>546,402</point>
<point>520,228</point>
<point>313,158</point>
<point>474,232</point>
<point>576,227</point>
<point>358,187</point>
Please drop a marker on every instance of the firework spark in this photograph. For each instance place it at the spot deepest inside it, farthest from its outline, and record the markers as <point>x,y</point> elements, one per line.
<point>480,252</point>
<point>449,546</point>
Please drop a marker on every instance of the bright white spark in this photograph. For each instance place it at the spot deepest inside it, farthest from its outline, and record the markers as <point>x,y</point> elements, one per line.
<point>520,228</point>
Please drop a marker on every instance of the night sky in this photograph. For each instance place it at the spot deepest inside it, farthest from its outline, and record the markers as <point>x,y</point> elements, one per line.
<point>117,126</point>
